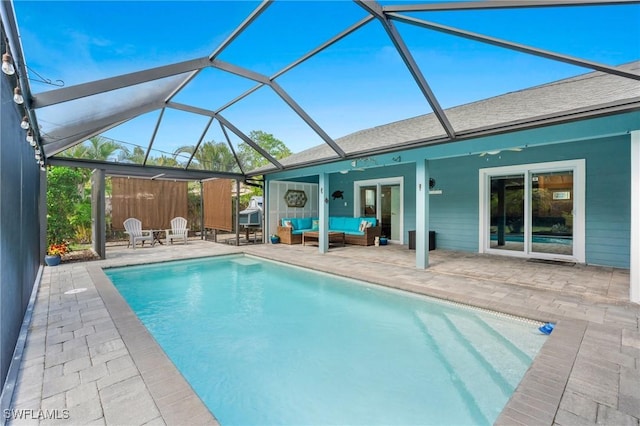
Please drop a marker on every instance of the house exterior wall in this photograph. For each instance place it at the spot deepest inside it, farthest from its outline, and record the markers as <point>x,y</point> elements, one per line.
<point>603,142</point>
<point>454,214</point>
<point>19,225</point>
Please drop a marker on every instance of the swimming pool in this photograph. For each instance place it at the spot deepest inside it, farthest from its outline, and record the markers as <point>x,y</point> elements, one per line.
<point>266,343</point>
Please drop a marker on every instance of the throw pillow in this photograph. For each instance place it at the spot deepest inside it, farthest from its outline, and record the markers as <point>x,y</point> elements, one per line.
<point>364,225</point>
<point>288,223</point>
<point>315,224</point>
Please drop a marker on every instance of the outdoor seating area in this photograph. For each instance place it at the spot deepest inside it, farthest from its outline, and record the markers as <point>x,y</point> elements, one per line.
<point>133,228</point>
<point>357,230</point>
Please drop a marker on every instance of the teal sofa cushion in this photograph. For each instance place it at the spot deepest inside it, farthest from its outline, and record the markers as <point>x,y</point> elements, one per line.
<point>352,224</point>
<point>348,225</point>
<point>304,223</point>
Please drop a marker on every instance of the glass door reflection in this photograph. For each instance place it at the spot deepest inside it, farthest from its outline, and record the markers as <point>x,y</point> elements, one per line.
<point>507,213</point>
<point>552,212</point>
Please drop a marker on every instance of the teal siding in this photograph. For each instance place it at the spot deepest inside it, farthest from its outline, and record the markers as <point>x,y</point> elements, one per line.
<point>454,213</point>
<point>608,202</point>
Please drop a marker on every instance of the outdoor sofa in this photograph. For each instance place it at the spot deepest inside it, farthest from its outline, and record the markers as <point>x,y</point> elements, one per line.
<point>355,232</point>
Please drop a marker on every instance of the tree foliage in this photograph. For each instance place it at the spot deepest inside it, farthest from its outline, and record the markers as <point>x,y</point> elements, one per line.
<point>210,156</point>
<point>252,159</point>
<point>69,203</point>
<point>62,196</point>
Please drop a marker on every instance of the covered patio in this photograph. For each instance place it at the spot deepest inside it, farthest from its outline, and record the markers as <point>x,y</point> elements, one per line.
<point>87,353</point>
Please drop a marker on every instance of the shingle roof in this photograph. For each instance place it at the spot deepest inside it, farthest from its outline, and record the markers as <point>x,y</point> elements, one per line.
<point>586,92</point>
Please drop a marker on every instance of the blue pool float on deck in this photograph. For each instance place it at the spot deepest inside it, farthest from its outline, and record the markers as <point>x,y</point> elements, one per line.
<point>547,328</point>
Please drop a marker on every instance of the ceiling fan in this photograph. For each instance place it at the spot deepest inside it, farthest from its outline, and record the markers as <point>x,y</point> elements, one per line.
<point>498,151</point>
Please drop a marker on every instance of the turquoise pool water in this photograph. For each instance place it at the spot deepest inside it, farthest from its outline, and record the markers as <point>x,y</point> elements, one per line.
<point>264,343</point>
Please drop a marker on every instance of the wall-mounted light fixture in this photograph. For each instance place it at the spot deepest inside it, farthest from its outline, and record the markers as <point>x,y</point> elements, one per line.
<point>7,64</point>
<point>397,159</point>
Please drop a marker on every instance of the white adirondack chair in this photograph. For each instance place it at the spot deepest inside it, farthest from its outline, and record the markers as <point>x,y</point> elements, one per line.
<point>178,230</point>
<point>133,227</point>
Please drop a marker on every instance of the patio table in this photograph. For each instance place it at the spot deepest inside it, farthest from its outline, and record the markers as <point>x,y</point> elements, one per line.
<point>156,236</point>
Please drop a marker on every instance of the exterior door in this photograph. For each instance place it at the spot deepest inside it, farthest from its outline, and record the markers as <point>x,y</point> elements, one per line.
<point>534,210</point>
<point>382,199</point>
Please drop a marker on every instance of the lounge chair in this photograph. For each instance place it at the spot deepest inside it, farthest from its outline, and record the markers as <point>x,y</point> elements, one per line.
<point>133,227</point>
<point>178,230</point>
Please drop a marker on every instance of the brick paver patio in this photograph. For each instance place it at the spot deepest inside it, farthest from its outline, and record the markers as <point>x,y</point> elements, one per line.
<point>88,360</point>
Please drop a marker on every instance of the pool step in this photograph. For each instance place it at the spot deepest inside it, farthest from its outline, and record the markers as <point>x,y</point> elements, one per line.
<point>497,353</point>
<point>475,367</point>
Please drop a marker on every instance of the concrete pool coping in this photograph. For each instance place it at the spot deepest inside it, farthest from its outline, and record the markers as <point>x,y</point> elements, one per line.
<point>552,391</point>
<point>172,394</point>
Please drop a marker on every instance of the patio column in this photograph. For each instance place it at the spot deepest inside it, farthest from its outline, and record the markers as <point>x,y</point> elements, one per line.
<point>323,212</point>
<point>202,236</point>
<point>634,261</point>
<point>422,214</point>
<point>98,226</point>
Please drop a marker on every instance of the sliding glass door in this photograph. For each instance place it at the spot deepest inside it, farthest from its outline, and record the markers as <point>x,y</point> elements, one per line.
<point>534,210</point>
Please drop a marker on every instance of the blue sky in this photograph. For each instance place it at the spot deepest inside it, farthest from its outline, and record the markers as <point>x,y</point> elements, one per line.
<point>358,83</point>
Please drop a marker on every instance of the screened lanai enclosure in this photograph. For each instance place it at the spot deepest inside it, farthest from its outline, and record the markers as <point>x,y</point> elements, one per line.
<point>301,73</point>
<point>192,91</point>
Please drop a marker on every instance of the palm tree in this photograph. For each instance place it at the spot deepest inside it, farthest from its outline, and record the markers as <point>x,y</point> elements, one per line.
<point>211,156</point>
<point>163,160</point>
<point>135,157</point>
<point>96,148</point>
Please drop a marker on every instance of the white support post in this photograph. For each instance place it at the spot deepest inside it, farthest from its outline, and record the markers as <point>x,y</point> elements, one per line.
<point>422,214</point>
<point>634,261</point>
<point>323,212</point>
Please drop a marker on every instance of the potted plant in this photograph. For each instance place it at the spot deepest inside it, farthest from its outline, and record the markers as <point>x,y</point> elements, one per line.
<point>54,253</point>
<point>275,239</point>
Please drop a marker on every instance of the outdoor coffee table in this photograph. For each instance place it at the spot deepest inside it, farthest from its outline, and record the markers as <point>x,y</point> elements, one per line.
<point>334,237</point>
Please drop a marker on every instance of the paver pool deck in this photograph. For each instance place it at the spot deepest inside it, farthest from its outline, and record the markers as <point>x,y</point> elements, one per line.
<point>88,360</point>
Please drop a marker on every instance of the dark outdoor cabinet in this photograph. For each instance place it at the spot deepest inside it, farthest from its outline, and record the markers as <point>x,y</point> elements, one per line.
<point>412,240</point>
